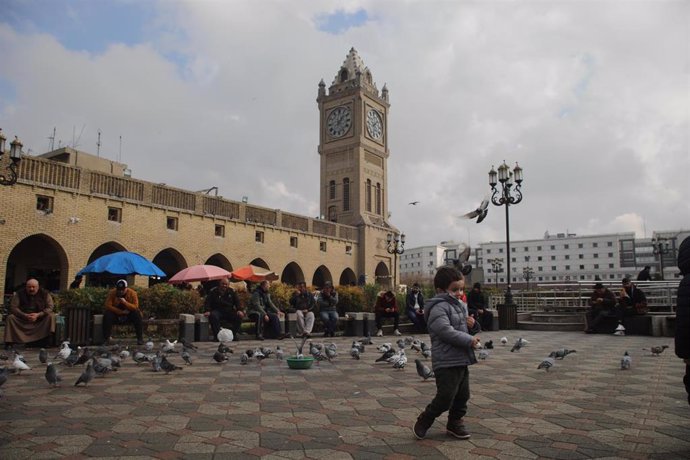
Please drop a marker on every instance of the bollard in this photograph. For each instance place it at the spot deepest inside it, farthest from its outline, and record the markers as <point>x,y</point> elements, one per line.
<point>98,329</point>
<point>200,328</point>
<point>187,326</point>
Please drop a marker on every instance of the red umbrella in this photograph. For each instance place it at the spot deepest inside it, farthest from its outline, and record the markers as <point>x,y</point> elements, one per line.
<point>254,274</point>
<point>199,273</point>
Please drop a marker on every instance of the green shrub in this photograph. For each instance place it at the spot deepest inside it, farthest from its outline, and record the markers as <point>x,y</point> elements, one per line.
<point>370,291</point>
<point>92,297</point>
<point>164,301</point>
<point>350,298</point>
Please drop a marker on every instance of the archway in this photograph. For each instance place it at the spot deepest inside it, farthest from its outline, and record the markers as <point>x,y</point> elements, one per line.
<point>170,261</point>
<point>348,278</point>
<point>259,262</point>
<point>321,275</point>
<point>104,279</point>
<point>37,256</point>
<point>382,275</point>
<point>219,260</point>
<point>292,274</point>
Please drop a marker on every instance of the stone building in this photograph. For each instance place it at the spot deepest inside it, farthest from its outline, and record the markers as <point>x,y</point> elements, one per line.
<point>69,208</point>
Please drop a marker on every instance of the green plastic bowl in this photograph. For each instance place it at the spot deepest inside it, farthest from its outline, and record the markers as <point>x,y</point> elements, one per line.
<point>300,363</point>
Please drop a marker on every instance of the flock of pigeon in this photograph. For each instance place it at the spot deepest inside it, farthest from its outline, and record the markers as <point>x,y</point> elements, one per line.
<point>103,360</point>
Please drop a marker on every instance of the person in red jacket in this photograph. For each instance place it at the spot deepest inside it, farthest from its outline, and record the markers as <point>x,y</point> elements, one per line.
<point>386,307</point>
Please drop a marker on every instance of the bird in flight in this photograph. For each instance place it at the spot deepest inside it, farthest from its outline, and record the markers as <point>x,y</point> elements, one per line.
<point>413,203</point>
<point>480,212</point>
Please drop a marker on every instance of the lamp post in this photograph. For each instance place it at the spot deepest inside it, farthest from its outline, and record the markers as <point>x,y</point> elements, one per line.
<point>15,156</point>
<point>396,246</point>
<point>497,267</point>
<point>506,195</point>
<point>661,248</point>
<point>527,274</point>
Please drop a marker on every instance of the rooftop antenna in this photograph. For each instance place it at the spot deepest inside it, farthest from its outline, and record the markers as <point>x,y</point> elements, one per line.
<point>98,144</point>
<point>52,140</point>
<point>119,153</point>
<point>75,143</point>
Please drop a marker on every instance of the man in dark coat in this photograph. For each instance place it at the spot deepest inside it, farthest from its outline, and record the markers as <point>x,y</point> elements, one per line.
<point>644,274</point>
<point>683,311</point>
<point>222,304</point>
<point>602,303</point>
<point>31,315</point>
<point>476,303</point>
<point>414,304</point>
<point>632,301</point>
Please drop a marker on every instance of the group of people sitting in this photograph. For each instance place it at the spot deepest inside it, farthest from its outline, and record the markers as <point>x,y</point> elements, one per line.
<point>603,303</point>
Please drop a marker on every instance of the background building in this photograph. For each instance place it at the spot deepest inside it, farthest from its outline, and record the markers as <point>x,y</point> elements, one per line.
<point>70,207</point>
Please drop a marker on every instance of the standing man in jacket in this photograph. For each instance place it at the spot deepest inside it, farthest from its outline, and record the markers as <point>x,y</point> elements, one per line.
<point>683,311</point>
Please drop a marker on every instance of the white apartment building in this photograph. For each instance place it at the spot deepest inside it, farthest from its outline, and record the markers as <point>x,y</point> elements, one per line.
<point>566,257</point>
<point>420,263</point>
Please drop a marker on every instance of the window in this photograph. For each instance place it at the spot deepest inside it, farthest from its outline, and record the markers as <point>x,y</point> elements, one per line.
<point>595,255</point>
<point>322,246</point>
<point>171,223</point>
<point>500,250</point>
<point>259,236</point>
<point>610,265</point>
<point>582,277</point>
<point>553,257</point>
<point>220,231</point>
<point>367,195</point>
<point>595,245</point>
<point>553,268</point>
<point>541,278</point>
<point>333,213</point>
<point>539,258</point>
<point>114,214</point>
<point>566,246</point>
<point>378,198</point>
<point>526,258</point>
<point>596,266</point>
<point>331,190</point>
<point>610,254</point>
<point>346,194</point>
<point>612,276</point>
<point>580,256</point>
<point>609,244</point>
<point>348,250</point>
<point>567,257</point>
<point>567,267</point>
<point>488,251</point>
<point>538,248</point>
<point>579,245</point>
<point>540,269</point>
<point>512,249</point>
<point>526,249</point>
<point>553,247</point>
<point>582,267</point>
<point>431,254</point>
<point>512,259</point>
<point>293,241</point>
<point>44,203</point>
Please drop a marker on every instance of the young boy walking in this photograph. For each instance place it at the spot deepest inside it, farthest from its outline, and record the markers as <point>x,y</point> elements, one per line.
<point>452,350</point>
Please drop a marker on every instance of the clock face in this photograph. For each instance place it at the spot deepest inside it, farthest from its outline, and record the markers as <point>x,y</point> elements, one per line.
<point>339,121</point>
<point>374,124</point>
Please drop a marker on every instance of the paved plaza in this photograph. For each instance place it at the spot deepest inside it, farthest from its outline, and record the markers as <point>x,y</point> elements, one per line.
<point>585,407</point>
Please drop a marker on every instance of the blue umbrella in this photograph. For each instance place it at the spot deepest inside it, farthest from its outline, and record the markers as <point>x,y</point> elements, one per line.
<point>123,263</point>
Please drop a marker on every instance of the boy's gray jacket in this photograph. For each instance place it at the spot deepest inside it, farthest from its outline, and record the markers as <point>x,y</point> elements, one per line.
<point>451,342</point>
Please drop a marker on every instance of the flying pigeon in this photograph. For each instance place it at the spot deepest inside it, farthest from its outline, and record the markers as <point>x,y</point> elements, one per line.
<point>87,376</point>
<point>480,212</point>
<point>423,370</point>
<point>413,203</point>
<point>225,335</point>
<point>43,356</point>
<point>562,353</point>
<point>504,340</point>
<point>52,376</point>
<point>656,351</point>
<point>626,361</point>
<point>546,364</point>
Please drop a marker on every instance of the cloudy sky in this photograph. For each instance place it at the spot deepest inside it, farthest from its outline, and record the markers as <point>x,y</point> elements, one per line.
<point>590,97</point>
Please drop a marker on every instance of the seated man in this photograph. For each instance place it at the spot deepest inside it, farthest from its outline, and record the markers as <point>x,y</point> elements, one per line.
<point>386,307</point>
<point>327,301</point>
<point>415,308</point>
<point>632,301</point>
<point>476,305</point>
<point>222,304</point>
<point>303,303</point>
<point>263,312</point>
<point>31,316</point>
<point>122,306</point>
<point>602,303</point>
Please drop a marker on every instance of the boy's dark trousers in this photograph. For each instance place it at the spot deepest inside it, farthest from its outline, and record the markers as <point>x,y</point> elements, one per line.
<point>452,393</point>
<point>379,319</point>
<point>134,317</point>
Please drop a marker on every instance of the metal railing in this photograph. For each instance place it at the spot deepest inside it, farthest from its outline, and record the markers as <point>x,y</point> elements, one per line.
<point>661,295</point>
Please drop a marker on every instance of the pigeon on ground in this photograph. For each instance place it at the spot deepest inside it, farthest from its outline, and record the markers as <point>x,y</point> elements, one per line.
<point>52,376</point>
<point>189,345</point>
<point>249,352</point>
<point>168,346</point>
<point>330,352</point>
<point>101,367</point>
<point>167,366</point>
<point>259,355</point>
<point>73,358</point>
<point>219,357</point>
<point>400,361</point>
<point>124,354</point>
<point>504,341</point>
<point>139,357</point>
<point>225,335</point>
<point>280,354</point>
<point>483,354</point>
<point>626,361</point>
<point>401,344</point>
<point>65,351</point>
<point>43,356</point>
<point>489,345</point>
<point>562,353</point>
<point>367,340</point>
<point>87,376</point>
<point>546,364</point>
<point>385,356</point>
<point>148,346</point>
<point>416,345</point>
<point>384,347</point>
<point>19,364</point>
<point>358,345</point>
<point>656,351</point>
<point>481,211</point>
<point>354,352</point>
<point>186,357</point>
<point>519,343</point>
<point>423,370</point>
<point>156,362</point>
<point>222,348</point>
<point>244,358</point>
<point>4,372</point>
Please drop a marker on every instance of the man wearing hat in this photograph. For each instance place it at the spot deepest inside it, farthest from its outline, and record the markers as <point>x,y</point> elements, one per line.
<point>414,304</point>
<point>122,306</point>
<point>602,303</point>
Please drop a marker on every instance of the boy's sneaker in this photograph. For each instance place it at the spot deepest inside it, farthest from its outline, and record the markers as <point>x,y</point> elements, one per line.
<point>422,425</point>
<point>379,333</point>
<point>457,429</point>
<point>397,332</point>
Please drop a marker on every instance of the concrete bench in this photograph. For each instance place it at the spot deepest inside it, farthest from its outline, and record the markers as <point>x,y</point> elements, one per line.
<point>203,332</point>
<point>150,326</point>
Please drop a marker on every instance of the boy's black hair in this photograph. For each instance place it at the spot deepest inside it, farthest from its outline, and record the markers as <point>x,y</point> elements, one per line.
<point>445,276</point>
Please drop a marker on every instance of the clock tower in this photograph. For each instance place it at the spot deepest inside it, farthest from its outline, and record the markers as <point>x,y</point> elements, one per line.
<point>353,146</point>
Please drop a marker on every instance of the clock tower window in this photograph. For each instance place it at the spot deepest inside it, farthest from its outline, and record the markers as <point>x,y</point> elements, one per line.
<point>378,198</point>
<point>331,190</point>
<point>332,214</point>
<point>367,195</point>
<point>346,194</point>
<point>343,75</point>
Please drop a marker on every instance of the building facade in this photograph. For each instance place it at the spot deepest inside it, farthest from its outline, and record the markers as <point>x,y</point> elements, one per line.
<point>69,208</point>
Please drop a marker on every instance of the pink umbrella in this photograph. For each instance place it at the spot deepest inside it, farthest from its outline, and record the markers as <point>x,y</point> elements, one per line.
<point>199,273</point>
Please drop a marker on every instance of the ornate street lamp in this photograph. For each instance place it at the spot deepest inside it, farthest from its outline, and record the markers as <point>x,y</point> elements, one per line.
<point>15,156</point>
<point>396,246</point>
<point>661,247</point>
<point>527,274</point>
<point>497,267</point>
<point>508,194</point>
